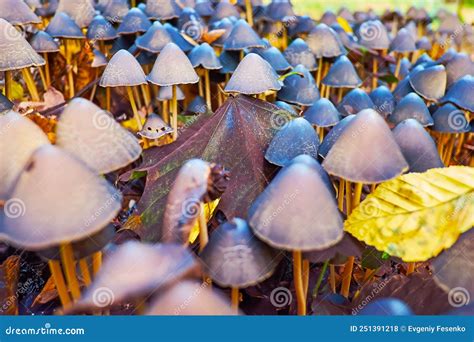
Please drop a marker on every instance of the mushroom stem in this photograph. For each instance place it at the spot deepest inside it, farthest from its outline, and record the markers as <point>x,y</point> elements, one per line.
<point>321,134</point>
<point>347,276</point>
<point>449,150</point>
<point>262,97</point>
<point>86,275</point>
<point>332,278</point>
<point>348,197</point>
<point>298,280</point>
<point>305,277</point>
<point>203,233</point>
<point>165,112</point>
<point>284,37</point>
<point>175,114</point>
<point>340,92</point>
<point>108,99</point>
<point>57,273</point>
<point>320,70</point>
<point>146,95</point>
<point>8,84</point>
<point>133,3</point>
<point>96,262</point>
<point>134,107</point>
<point>200,87</point>
<point>410,268</point>
<point>235,299</point>
<point>70,75</point>
<point>357,193</point>
<point>248,11</point>
<point>208,89</point>
<point>375,70</point>
<point>138,99</point>
<point>460,144</point>
<point>43,79</point>
<point>67,259</point>
<point>241,55</point>
<point>30,84</point>
<point>340,195</point>
<point>328,92</point>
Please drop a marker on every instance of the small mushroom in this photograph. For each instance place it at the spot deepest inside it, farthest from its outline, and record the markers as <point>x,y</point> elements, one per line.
<point>342,74</point>
<point>273,56</point>
<point>44,44</point>
<point>411,106</point>
<point>242,37</point>
<point>430,83</point>
<point>135,21</point>
<point>299,89</point>
<point>298,52</point>
<point>460,93</point>
<point>17,12</point>
<point>383,100</point>
<point>155,39</point>
<point>154,128</point>
<point>162,9</point>
<point>321,114</point>
<point>355,101</point>
<point>81,11</point>
<point>333,135</point>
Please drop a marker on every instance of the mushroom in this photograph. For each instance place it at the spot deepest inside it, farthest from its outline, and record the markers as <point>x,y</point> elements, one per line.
<point>165,94</point>
<point>235,258</point>
<point>242,37</point>
<point>134,22</point>
<point>299,88</point>
<point>355,101</point>
<point>460,65</point>
<point>17,12</point>
<point>81,11</point>
<point>321,114</point>
<point>298,52</point>
<point>383,100</point>
<point>401,46</point>
<point>411,106</point>
<point>162,9</point>
<point>281,13</point>
<point>124,70</point>
<point>342,74</point>
<point>153,129</point>
<point>93,136</point>
<point>274,57</point>
<point>44,44</point>
<point>102,31</point>
<point>171,68</point>
<point>12,43</point>
<point>430,83</point>
<point>155,39</point>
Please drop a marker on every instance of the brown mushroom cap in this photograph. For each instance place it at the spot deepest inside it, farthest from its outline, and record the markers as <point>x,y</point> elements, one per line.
<point>61,200</point>
<point>123,70</point>
<point>20,137</point>
<point>234,257</point>
<point>93,135</point>
<point>15,52</point>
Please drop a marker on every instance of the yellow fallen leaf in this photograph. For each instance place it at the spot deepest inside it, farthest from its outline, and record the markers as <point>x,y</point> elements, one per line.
<point>417,215</point>
<point>344,24</point>
<point>209,211</point>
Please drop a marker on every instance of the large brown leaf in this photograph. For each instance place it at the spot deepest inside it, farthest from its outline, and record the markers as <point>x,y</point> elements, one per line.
<point>236,136</point>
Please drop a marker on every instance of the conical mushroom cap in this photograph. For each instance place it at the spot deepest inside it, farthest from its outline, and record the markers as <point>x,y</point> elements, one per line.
<point>294,138</point>
<point>162,9</point>
<point>384,101</point>
<point>276,216</point>
<point>430,82</point>
<point>20,137</point>
<point>334,134</point>
<point>204,8</point>
<point>460,93</point>
<point>204,56</point>
<point>405,66</point>
<point>299,90</point>
<point>423,44</point>
<point>411,107</point>
<point>172,67</point>
<point>81,11</point>
<point>63,26</point>
<point>403,42</point>
<point>322,113</point>
<point>274,57</point>
<point>122,70</point>
<point>324,42</point>
<point>450,119</point>
<point>423,60</point>
<point>136,269</point>
<point>403,88</point>
<point>99,59</point>
<point>205,302</point>
<point>417,146</point>
<point>178,38</point>
<point>133,22</point>
<point>225,24</point>
<point>366,151</point>
<point>234,257</point>
<point>5,104</point>
<point>298,52</point>
<point>42,42</point>
<point>303,25</point>
<point>374,35</point>
<point>242,37</point>
<point>287,107</point>
<point>92,135</point>
<point>355,101</point>
<point>15,51</point>
<point>101,30</point>
<point>17,12</point>
<point>113,10</point>
<point>342,74</point>
<point>69,212</point>
<point>253,75</point>
<point>229,61</point>
<point>154,127</point>
<point>459,66</point>
<point>314,164</point>
<point>224,9</point>
<point>279,10</point>
<point>166,93</point>
<point>155,39</point>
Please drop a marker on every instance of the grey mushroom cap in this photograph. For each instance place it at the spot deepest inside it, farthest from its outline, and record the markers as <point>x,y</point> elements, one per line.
<point>113,9</point>
<point>224,9</point>
<point>299,89</point>
<point>155,39</point>
<point>294,187</point>
<point>154,127</point>
<point>225,24</point>
<point>294,138</point>
<point>178,38</point>
<point>450,119</point>
<point>322,113</point>
<point>93,136</point>
<point>403,42</point>
<point>423,60</point>
<point>229,61</point>
<point>417,146</point>
<point>17,12</point>
<point>81,11</point>
<point>460,93</point>
<point>342,74</point>
<point>355,101</point>
<point>234,257</point>
<point>411,106</point>
<point>197,106</point>
<point>44,43</point>
<point>459,66</point>
<point>166,93</point>
<point>162,9</point>
<point>384,101</point>
<point>172,67</point>
<point>12,43</point>
<point>99,59</point>
<point>287,107</point>
<point>325,42</point>
<point>405,66</point>
<point>101,30</point>
<point>133,22</point>
<point>298,52</point>
<point>273,56</point>
<point>204,56</point>
<point>69,212</point>
<point>253,75</point>
<point>63,26</point>
<point>334,134</point>
<point>430,82</point>
<point>403,88</point>
<point>204,8</point>
<point>366,151</point>
<point>122,70</point>
<point>423,44</point>
<point>374,35</point>
<point>313,163</point>
<point>242,37</point>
